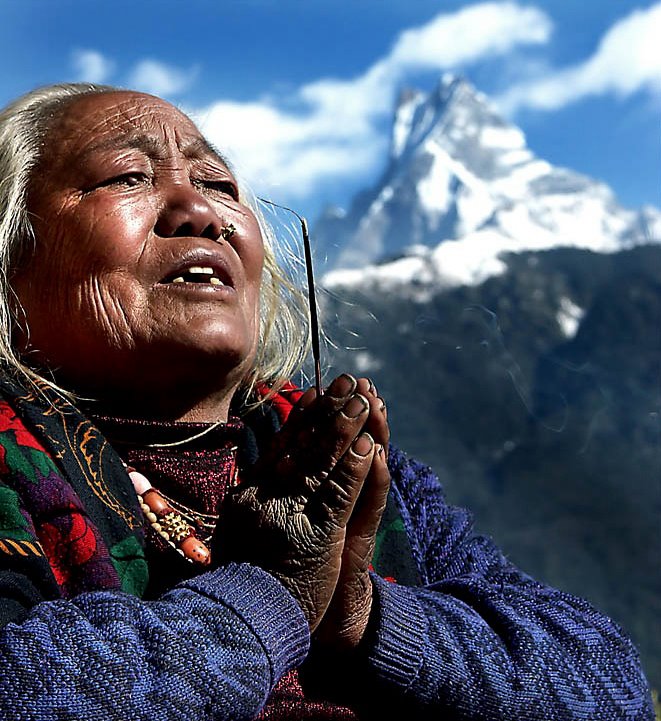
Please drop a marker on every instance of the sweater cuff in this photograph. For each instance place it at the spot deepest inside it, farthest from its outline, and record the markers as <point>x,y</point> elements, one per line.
<point>265,606</point>
<point>399,634</point>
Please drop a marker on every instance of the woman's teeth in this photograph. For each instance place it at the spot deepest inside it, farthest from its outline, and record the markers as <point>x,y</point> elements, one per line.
<point>198,274</point>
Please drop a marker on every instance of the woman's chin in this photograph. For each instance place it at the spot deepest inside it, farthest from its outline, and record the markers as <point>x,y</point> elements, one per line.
<point>171,379</point>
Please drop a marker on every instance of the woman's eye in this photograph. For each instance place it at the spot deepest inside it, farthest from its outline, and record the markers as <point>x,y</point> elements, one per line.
<point>129,180</point>
<point>223,187</point>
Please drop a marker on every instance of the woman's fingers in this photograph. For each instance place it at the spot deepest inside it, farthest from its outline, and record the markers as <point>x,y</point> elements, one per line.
<point>366,517</point>
<point>282,457</point>
<point>338,493</point>
<point>310,410</point>
<point>377,422</point>
<point>345,622</point>
<point>320,432</point>
<point>327,443</point>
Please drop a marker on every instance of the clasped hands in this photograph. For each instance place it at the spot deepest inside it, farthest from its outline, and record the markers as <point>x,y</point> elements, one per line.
<point>309,509</point>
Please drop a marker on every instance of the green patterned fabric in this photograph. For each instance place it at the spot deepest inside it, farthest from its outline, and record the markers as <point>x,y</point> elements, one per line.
<point>393,559</point>
<point>65,498</point>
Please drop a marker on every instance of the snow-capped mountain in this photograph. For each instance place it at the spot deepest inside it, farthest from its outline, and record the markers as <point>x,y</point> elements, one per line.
<point>461,189</point>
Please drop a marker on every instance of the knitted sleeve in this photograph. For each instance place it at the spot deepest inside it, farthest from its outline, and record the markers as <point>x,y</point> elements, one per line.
<point>482,640</point>
<point>212,648</point>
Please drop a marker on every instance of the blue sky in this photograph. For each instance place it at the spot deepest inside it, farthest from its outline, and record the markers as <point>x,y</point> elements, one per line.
<point>300,91</point>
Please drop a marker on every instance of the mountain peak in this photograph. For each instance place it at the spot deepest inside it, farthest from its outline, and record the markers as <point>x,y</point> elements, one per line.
<point>458,118</point>
<point>458,171</point>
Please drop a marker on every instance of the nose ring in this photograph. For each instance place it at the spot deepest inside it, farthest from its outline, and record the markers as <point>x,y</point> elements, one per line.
<point>227,231</point>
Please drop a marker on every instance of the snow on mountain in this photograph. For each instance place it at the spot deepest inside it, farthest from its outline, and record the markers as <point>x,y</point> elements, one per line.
<point>460,190</point>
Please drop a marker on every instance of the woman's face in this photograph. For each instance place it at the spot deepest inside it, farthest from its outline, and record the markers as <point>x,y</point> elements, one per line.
<point>129,201</point>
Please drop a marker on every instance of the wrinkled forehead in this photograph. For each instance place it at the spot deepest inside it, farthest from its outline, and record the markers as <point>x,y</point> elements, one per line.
<point>125,118</point>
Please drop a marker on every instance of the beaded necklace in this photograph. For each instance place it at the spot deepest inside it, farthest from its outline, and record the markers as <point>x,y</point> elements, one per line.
<point>170,525</point>
<point>173,523</point>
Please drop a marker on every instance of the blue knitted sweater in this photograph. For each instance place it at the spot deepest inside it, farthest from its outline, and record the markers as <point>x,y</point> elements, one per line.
<point>477,639</point>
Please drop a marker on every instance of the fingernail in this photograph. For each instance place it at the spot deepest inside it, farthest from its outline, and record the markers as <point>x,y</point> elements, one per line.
<point>379,450</point>
<point>341,386</point>
<point>363,444</point>
<point>355,406</point>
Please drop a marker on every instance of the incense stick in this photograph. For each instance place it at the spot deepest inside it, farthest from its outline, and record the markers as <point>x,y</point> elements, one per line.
<point>312,299</point>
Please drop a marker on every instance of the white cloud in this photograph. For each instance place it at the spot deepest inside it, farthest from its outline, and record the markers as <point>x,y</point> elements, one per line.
<point>274,149</point>
<point>334,134</point>
<point>91,66</point>
<point>473,33</point>
<point>449,41</point>
<point>155,77</point>
<point>627,60</point>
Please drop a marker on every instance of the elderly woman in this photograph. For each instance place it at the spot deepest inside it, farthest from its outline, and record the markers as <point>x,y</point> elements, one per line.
<point>183,534</point>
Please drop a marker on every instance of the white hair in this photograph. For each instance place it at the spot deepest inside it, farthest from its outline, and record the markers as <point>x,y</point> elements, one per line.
<point>24,125</point>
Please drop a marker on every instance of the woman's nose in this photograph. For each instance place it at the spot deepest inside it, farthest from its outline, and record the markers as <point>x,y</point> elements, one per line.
<point>187,213</point>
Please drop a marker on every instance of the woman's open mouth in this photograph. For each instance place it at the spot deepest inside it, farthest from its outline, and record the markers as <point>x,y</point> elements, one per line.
<point>200,274</point>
